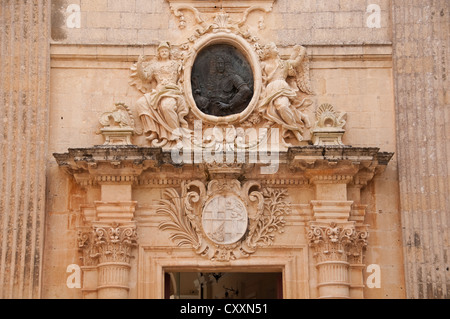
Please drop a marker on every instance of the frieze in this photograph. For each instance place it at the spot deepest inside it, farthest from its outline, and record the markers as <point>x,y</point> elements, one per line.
<point>134,165</point>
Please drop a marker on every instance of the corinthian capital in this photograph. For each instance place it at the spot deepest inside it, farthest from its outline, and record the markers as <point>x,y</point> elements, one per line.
<point>336,241</point>
<point>107,243</point>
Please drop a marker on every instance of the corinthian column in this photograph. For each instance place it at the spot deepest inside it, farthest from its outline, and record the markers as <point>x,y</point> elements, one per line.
<point>106,244</point>
<point>107,250</point>
<point>334,248</point>
<point>336,237</point>
<point>113,244</point>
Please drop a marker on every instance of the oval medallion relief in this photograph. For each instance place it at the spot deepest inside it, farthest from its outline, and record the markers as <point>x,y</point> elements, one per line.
<point>221,80</point>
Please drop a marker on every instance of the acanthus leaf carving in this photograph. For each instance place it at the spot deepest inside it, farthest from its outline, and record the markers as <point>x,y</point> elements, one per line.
<point>269,219</point>
<point>182,221</point>
<point>86,246</point>
<point>107,243</point>
<point>337,241</point>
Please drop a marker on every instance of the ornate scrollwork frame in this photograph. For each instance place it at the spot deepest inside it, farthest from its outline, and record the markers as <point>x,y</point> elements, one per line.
<point>249,53</point>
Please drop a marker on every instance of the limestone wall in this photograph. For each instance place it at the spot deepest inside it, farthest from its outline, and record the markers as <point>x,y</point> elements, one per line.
<point>292,21</point>
<point>58,78</point>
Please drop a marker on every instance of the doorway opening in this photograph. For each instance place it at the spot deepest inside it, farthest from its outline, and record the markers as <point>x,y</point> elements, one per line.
<point>223,285</point>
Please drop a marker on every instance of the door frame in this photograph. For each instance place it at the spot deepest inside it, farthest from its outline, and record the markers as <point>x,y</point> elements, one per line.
<point>290,261</point>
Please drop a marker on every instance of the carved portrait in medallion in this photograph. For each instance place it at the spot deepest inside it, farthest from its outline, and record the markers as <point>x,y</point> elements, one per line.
<point>222,80</point>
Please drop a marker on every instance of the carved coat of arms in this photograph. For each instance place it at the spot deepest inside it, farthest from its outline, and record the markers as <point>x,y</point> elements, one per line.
<point>224,220</point>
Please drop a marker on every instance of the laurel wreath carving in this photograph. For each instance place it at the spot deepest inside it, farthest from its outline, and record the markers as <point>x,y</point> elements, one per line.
<point>271,219</point>
<point>184,229</point>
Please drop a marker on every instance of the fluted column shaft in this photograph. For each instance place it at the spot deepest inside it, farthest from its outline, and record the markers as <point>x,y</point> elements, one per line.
<point>421,64</point>
<point>24,104</point>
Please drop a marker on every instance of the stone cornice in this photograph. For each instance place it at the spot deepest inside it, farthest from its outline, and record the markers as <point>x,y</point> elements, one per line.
<point>238,6</point>
<point>66,54</point>
<point>313,164</point>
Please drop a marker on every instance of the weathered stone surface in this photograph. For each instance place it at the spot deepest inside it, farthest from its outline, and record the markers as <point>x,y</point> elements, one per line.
<point>327,215</point>
<point>295,63</point>
<point>24,109</point>
<point>421,55</point>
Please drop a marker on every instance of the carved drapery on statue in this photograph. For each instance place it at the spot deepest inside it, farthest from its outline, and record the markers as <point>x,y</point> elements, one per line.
<point>222,75</point>
<point>281,101</point>
<point>224,220</point>
<point>162,108</point>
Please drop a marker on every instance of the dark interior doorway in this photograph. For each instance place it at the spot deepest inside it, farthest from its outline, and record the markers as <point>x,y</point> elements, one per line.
<point>223,285</point>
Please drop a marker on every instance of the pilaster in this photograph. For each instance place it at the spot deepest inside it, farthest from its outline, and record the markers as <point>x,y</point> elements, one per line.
<point>337,234</point>
<point>108,236</point>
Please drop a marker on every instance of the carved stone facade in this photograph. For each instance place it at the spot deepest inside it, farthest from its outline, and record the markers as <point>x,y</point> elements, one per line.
<point>267,136</point>
<point>219,231</point>
<point>184,89</point>
<point>231,216</point>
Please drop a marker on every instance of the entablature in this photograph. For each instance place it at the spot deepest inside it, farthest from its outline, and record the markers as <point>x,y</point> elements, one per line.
<point>297,166</point>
